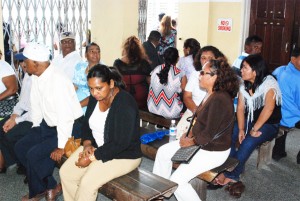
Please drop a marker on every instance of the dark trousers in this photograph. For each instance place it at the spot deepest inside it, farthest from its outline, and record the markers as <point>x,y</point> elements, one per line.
<point>34,151</point>
<point>9,139</point>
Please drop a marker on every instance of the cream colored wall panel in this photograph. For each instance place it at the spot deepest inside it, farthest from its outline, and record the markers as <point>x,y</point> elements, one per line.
<point>227,42</point>
<point>193,19</point>
<point>112,21</point>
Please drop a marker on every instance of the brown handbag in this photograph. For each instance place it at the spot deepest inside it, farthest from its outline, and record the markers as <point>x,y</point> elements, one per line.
<point>71,146</point>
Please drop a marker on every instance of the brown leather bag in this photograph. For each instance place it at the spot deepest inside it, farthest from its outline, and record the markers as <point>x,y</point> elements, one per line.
<point>71,146</point>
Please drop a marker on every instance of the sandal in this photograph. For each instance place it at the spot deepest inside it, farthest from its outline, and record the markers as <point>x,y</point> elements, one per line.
<point>235,189</point>
<point>213,185</point>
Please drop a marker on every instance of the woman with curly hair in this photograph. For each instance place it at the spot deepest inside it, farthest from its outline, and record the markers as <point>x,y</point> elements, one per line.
<point>168,34</point>
<point>135,68</point>
<point>258,117</point>
<point>167,81</point>
<point>214,115</point>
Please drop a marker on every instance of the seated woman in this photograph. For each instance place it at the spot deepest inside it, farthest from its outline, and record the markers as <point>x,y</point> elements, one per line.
<point>167,81</point>
<point>258,115</point>
<point>193,94</point>
<point>186,63</point>
<point>111,140</point>
<point>8,81</point>
<point>215,114</point>
<point>92,54</point>
<point>135,68</point>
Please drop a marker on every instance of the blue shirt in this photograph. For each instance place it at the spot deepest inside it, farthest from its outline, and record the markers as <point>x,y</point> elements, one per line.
<point>288,79</point>
<point>80,81</point>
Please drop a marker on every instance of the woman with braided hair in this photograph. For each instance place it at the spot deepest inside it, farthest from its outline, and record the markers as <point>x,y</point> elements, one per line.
<point>167,82</point>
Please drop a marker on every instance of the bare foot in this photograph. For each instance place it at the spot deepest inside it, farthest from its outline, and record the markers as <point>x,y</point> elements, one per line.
<point>222,180</point>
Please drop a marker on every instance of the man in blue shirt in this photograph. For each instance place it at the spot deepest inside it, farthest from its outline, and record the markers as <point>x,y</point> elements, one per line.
<point>290,108</point>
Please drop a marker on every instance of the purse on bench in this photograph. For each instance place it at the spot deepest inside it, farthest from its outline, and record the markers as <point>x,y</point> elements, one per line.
<point>185,154</point>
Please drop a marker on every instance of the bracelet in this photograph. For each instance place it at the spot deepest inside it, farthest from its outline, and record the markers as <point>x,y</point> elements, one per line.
<point>92,157</point>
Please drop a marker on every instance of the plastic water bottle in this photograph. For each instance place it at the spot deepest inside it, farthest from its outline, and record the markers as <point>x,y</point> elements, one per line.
<point>172,131</point>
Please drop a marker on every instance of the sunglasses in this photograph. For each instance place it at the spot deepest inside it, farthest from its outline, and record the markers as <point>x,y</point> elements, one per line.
<point>202,73</point>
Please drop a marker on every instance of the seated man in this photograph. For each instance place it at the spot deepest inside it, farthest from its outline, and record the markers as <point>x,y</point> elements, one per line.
<point>253,45</point>
<point>55,110</point>
<point>14,127</point>
<point>290,109</point>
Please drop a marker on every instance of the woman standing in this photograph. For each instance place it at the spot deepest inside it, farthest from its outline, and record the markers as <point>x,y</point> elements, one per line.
<point>111,143</point>
<point>167,82</point>
<point>92,54</point>
<point>215,114</point>
<point>135,68</point>
<point>258,116</point>
<point>168,34</point>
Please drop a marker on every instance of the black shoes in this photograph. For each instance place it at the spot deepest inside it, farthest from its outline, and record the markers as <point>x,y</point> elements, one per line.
<point>278,156</point>
<point>2,170</point>
<point>21,170</point>
<point>298,158</point>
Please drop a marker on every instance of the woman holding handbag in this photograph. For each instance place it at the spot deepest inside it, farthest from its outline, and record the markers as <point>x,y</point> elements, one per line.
<point>110,136</point>
<point>213,115</point>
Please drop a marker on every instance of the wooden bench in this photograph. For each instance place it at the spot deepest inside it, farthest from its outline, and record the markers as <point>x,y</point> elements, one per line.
<point>149,150</point>
<point>138,185</point>
<point>264,156</point>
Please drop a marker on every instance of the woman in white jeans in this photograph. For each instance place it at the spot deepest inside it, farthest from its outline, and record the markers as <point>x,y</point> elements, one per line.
<point>214,115</point>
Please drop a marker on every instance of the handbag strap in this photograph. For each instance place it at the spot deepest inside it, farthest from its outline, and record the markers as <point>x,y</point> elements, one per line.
<point>219,134</point>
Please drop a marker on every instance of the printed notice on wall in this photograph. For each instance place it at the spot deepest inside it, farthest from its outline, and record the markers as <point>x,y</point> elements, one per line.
<point>224,25</point>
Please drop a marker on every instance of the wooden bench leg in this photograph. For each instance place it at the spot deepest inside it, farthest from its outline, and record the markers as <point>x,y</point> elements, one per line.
<point>265,154</point>
<point>200,187</point>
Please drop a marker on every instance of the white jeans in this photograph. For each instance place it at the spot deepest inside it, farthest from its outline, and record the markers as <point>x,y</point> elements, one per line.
<point>201,162</point>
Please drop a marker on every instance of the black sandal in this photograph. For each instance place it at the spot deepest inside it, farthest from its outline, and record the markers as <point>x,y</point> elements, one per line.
<point>235,189</point>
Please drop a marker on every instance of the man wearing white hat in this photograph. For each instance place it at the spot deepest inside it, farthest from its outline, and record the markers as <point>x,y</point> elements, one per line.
<point>68,59</point>
<point>55,109</point>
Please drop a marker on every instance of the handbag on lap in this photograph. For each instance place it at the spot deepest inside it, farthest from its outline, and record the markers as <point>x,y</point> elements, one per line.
<point>7,106</point>
<point>71,146</point>
<point>185,154</point>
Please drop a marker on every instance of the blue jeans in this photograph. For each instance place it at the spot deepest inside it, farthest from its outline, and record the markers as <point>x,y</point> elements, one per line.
<point>249,144</point>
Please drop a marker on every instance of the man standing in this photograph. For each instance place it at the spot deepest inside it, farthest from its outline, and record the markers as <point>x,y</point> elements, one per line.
<point>151,49</point>
<point>290,108</point>
<point>68,59</point>
<point>55,109</point>
<point>253,45</point>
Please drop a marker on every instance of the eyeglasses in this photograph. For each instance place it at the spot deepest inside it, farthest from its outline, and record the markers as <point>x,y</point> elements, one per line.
<point>67,41</point>
<point>202,73</point>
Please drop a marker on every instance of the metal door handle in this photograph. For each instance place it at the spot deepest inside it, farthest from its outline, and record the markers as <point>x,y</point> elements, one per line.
<point>286,47</point>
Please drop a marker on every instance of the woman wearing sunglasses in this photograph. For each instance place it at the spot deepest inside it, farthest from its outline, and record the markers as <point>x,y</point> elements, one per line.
<point>214,115</point>
<point>258,117</point>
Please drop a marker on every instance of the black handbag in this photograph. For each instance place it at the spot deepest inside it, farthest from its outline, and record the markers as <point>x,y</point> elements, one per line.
<point>185,154</point>
<point>7,106</point>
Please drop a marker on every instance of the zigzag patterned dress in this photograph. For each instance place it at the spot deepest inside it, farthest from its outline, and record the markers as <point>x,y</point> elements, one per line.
<point>162,99</point>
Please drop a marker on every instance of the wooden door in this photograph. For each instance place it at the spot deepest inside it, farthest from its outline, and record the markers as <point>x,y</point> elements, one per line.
<point>273,20</point>
<point>296,26</point>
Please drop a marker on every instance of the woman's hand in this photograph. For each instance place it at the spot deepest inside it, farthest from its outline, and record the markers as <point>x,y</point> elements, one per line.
<point>254,133</point>
<point>83,162</point>
<point>186,141</point>
<point>241,136</point>
<point>84,156</point>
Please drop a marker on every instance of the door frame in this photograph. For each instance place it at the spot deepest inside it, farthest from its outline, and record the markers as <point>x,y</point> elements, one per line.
<point>246,9</point>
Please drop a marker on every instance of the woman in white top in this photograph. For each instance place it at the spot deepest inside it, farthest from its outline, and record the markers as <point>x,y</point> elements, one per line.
<point>8,81</point>
<point>186,63</point>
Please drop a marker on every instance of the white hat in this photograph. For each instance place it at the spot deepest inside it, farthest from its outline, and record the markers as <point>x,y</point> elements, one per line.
<point>36,52</point>
<point>67,34</point>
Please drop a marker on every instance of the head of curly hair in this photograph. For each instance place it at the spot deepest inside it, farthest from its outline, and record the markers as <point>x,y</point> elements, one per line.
<point>133,50</point>
<point>226,80</point>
